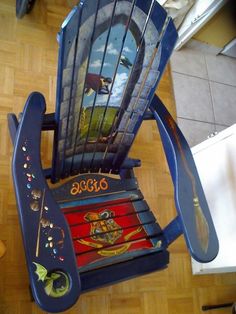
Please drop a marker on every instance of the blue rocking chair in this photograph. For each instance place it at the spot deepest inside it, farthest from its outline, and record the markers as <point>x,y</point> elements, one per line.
<point>96,228</point>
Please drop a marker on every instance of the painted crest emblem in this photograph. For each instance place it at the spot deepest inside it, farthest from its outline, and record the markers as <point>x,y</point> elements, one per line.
<point>103,227</point>
<point>105,232</point>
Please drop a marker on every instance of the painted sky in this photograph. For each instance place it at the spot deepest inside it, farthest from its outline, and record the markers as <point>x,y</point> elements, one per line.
<point>111,57</point>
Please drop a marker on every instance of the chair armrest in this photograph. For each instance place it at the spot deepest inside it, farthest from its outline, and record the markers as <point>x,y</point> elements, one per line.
<point>191,204</point>
<point>49,251</point>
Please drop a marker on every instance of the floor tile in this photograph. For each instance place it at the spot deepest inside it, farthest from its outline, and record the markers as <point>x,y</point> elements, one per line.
<point>224,102</point>
<point>221,69</point>
<point>195,132</point>
<point>202,47</point>
<point>220,128</point>
<point>193,99</point>
<point>188,61</point>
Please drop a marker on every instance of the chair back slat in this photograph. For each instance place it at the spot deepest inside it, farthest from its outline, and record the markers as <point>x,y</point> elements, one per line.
<point>106,107</point>
<point>103,161</point>
<point>137,93</point>
<point>77,130</point>
<point>68,33</point>
<point>155,68</point>
<point>110,61</point>
<point>71,78</point>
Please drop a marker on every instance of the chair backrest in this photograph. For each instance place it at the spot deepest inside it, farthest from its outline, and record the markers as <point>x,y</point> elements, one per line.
<point>111,57</point>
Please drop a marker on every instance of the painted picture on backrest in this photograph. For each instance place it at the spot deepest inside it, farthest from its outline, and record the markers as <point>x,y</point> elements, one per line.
<point>110,69</point>
<point>105,82</point>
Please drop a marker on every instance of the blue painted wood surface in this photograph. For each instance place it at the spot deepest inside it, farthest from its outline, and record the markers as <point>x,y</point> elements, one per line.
<point>190,200</point>
<point>46,236</point>
<point>116,273</point>
<point>122,271</point>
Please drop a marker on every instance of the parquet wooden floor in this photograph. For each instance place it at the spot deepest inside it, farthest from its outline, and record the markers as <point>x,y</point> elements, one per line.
<point>28,62</point>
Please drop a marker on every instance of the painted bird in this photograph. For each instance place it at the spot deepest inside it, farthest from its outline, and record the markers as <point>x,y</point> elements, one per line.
<point>125,62</point>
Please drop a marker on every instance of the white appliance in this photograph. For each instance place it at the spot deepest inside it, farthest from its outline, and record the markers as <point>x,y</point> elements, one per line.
<point>215,159</point>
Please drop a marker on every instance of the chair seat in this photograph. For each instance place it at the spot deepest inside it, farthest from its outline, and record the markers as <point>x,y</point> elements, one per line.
<point>110,227</point>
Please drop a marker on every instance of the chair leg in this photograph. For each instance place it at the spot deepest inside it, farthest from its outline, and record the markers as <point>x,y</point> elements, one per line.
<point>127,173</point>
<point>218,306</point>
<point>234,308</point>
<point>31,294</point>
<point>2,249</point>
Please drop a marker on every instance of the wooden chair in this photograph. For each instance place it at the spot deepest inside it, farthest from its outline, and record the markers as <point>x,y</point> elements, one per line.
<point>96,228</point>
